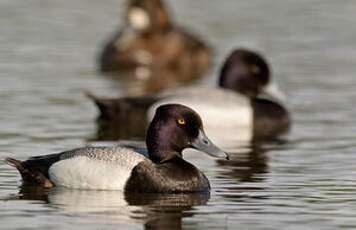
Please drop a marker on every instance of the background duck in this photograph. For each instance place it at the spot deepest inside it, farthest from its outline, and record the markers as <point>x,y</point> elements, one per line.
<point>152,50</point>
<point>242,101</point>
<point>173,129</point>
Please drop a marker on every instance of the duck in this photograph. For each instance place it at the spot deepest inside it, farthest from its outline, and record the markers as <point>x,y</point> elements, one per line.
<point>150,44</point>
<point>245,99</point>
<point>174,128</point>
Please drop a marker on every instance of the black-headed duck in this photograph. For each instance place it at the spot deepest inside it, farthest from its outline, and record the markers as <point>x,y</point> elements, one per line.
<point>174,128</point>
<point>241,101</point>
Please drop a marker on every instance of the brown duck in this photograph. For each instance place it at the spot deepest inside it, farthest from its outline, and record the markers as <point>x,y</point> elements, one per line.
<point>151,49</point>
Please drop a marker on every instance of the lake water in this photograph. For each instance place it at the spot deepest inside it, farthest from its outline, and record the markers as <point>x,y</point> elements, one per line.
<point>48,51</point>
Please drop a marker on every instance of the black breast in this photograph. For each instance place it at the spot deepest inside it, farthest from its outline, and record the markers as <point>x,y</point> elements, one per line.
<point>269,119</point>
<point>174,175</point>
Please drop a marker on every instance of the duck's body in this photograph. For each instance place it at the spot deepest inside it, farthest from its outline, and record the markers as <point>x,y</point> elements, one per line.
<point>217,107</point>
<point>149,44</point>
<point>237,103</point>
<point>118,168</point>
<point>256,118</point>
<point>172,49</point>
<point>84,168</point>
<point>111,168</point>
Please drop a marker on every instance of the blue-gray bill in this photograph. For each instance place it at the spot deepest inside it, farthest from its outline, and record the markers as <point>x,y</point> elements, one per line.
<point>204,144</point>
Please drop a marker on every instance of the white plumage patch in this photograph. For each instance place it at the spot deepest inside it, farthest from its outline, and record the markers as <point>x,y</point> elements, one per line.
<point>221,110</point>
<point>139,18</point>
<point>104,171</point>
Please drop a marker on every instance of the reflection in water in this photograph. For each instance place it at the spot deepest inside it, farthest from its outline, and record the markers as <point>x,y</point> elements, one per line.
<point>244,173</point>
<point>245,166</point>
<point>166,211</point>
<point>157,211</point>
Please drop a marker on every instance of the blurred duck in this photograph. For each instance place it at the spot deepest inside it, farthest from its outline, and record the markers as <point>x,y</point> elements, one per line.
<point>244,100</point>
<point>173,129</point>
<point>151,49</point>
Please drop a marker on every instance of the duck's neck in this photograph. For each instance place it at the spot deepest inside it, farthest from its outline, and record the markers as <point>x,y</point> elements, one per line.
<point>158,142</point>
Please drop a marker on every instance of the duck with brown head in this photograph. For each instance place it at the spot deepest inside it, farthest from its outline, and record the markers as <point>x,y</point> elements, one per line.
<point>150,49</point>
<point>146,16</point>
<point>174,128</point>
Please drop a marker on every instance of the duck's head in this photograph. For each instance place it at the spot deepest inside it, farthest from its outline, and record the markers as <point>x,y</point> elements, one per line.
<point>245,71</point>
<point>174,128</point>
<point>148,15</point>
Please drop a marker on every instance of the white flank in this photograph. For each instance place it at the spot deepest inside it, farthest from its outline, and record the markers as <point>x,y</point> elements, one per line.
<point>84,172</point>
<point>222,111</point>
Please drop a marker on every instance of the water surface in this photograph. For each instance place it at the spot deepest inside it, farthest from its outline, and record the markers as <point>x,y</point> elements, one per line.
<point>48,51</point>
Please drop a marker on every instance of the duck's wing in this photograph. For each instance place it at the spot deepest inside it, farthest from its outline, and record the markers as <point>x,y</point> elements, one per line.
<point>111,154</point>
<point>137,146</point>
<point>106,168</point>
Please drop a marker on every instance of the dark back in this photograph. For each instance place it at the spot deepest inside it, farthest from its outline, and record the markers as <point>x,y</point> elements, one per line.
<point>123,118</point>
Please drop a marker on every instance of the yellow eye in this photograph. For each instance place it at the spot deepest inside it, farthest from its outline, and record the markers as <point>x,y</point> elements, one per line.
<point>181,121</point>
<point>255,69</point>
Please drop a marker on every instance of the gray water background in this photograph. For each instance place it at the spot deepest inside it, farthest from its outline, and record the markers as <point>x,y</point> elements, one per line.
<point>47,58</point>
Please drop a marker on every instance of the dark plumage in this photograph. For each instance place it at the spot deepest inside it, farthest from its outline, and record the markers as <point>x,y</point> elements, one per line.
<point>163,177</point>
<point>245,72</point>
<point>35,169</point>
<point>123,118</point>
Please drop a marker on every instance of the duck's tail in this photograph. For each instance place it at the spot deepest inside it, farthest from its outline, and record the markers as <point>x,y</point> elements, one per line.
<point>29,175</point>
<point>90,95</point>
<point>13,162</point>
<point>122,108</point>
<point>104,105</point>
<point>94,98</point>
